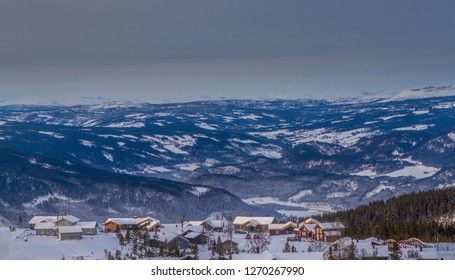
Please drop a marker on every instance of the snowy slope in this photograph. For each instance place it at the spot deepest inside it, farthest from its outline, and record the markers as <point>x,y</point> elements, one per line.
<point>423,92</point>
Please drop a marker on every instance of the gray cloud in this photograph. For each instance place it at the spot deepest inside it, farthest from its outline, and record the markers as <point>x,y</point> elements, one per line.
<point>218,47</point>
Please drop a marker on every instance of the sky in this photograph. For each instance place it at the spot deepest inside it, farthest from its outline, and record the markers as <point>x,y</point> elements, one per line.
<point>166,50</point>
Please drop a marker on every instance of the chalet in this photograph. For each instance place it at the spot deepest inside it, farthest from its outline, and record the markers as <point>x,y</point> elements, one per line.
<point>69,232</point>
<point>188,229</point>
<point>279,229</point>
<point>312,221</point>
<point>205,224</point>
<point>328,232</point>
<point>196,237</point>
<point>170,238</point>
<point>67,220</point>
<point>253,224</point>
<point>88,228</point>
<point>64,227</point>
<point>306,231</point>
<point>41,219</point>
<point>135,223</point>
<point>154,226</point>
<point>48,229</point>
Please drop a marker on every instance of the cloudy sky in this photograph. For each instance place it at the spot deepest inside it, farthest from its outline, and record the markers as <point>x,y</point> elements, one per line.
<point>168,50</point>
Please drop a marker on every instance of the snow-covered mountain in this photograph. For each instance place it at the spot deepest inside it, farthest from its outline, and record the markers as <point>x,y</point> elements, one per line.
<point>423,92</point>
<point>294,156</point>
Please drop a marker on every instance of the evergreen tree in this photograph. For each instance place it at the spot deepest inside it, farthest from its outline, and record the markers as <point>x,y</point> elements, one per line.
<point>20,222</point>
<point>351,252</point>
<point>121,239</point>
<point>310,249</point>
<point>293,249</point>
<point>286,248</point>
<point>330,254</point>
<point>118,254</point>
<point>195,251</point>
<point>219,248</point>
<point>174,249</point>
<point>162,251</point>
<point>128,236</point>
<point>395,251</point>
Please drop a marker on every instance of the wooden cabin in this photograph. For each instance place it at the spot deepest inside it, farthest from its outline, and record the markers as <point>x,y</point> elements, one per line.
<point>113,224</point>
<point>328,232</point>
<point>69,233</point>
<point>67,220</point>
<point>88,228</point>
<point>306,231</point>
<point>47,229</point>
<point>253,224</point>
<point>281,229</point>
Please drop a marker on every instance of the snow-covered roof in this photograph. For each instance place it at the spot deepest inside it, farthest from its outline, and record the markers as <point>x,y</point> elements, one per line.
<point>69,218</point>
<point>162,236</point>
<point>87,224</point>
<point>227,241</point>
<point>309,226</point>
<point>312,221</point>
<point>38,219</point>
<point>240,220</point>
<point>282,226</point>
<point>192,235</point>
<point>70,229</point>
<point>197,223</point>
<point>330,226</point>
<point>193,228</point>
<point>217,223</point>
<point>254,222</point>
<point>39,226</point>
<point>154,224</point>
<point>130,221</point>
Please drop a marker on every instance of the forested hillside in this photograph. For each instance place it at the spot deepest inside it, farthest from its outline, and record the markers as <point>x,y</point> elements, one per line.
<point>426,215</point>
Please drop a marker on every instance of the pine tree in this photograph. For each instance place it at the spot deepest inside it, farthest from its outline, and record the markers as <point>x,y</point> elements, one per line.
<point>293,249</point>
<point>20,221</point>
<point>174,249</point>
<point>351,253</point>
<point>330,254</point>
<point>395,252</point>
<point>219,248</point>
<point>128,236</point>
<point>161,252</point>
<point>310,249</point>
<point>121,239</point>
<point>118,254</point>
<point>195,251</point>
<point>286,248</point>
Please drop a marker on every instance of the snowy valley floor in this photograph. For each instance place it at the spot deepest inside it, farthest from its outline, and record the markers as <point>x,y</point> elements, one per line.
<point>13,247</point>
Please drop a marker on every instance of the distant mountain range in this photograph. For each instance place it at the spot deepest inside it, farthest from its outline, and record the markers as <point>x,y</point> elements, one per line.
<point>297,157</point>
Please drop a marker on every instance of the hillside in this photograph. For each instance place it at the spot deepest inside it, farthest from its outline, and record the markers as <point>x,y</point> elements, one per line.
<point>428,215</point>
<point>31,184</point>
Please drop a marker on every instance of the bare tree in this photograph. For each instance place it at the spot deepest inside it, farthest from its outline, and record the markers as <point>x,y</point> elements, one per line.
<point>259,243</point>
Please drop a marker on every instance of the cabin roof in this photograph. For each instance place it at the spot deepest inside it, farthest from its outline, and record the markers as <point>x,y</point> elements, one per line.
<point>256,220</point>
<point>87,224</point>
<point>44,226</point>
<point>70,229</point>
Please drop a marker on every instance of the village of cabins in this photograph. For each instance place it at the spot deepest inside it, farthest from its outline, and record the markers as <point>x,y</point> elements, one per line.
<point>68,227</point>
